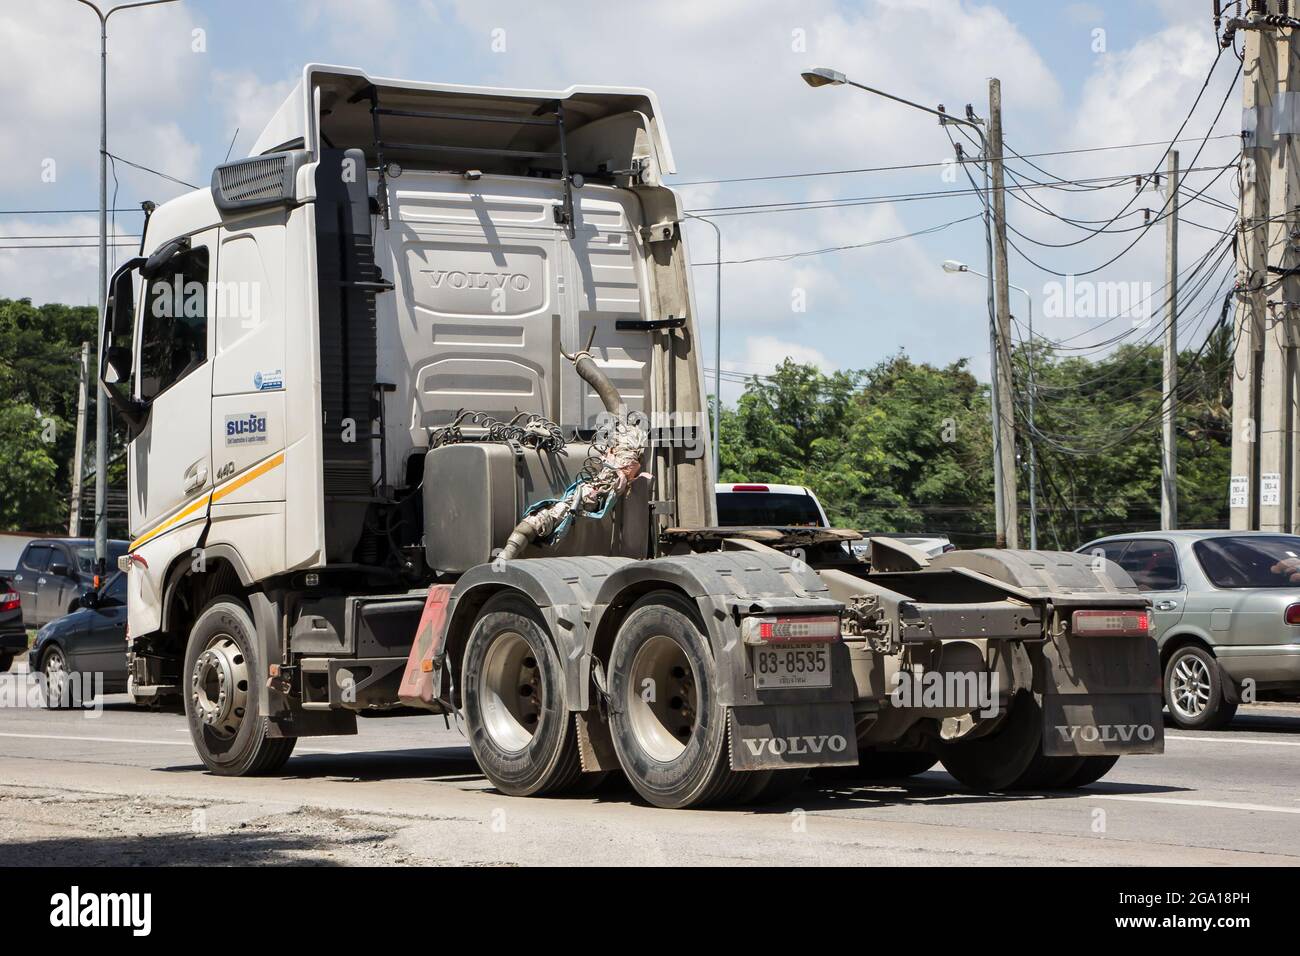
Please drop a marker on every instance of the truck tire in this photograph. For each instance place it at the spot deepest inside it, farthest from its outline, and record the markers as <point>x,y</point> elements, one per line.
<point>769,786</point>
<point>996,761</point>
<point>1090,771</point>
<point>520,728</point>
<point>881,765</point>
<point>220,678</point>
<point>669,729</point>
<point>1194,690</point>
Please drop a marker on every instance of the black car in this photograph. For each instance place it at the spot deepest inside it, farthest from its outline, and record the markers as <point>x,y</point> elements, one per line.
<point>53,573</point>
<point>89,640</point>
<point>13,636</point>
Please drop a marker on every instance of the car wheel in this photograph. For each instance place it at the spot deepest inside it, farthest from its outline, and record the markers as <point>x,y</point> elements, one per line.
<point>54,665</point>
<point>6,662</point>
<point>1194,690</point>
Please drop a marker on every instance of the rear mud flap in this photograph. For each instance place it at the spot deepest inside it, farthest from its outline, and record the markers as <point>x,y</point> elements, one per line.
<point>1101,696</point>
<point>775,737</point>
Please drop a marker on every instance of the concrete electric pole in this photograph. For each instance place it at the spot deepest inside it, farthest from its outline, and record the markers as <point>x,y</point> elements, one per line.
<point>1259,85</point>
<point>1169,380</point>
<point>1003,415</point>
<point>78,458</point>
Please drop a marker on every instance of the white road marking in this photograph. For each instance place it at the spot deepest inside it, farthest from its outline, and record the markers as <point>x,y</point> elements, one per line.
<point>1234,740</point>
<point>1174,801</point>
<point>138,740</point>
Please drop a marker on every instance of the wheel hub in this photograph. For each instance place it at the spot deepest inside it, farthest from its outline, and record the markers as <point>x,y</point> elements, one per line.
<point>662,699</point>
<point>219,687</point>
<point>1190,690</point>
<point>512,691</point>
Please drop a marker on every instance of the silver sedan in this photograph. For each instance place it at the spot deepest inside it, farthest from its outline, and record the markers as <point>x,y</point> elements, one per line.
<point>1225,613</point>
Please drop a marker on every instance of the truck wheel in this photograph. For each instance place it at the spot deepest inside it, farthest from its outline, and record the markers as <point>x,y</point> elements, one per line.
<point>670,732</point>
<point>999,759</point>
<point>55,668</point>
<point>1194,690</point>
<point>769,786</point>
<point>881,765</point>
<point>221,700</point>
<point>1048,773</point>
<point>520,728</point>
<point>1092,770</point>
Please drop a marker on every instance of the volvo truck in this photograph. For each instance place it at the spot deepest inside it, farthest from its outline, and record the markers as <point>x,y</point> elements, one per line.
<point>417,426</point>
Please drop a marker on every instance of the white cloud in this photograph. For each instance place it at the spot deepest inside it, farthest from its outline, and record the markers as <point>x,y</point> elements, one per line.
<point>248,103</point>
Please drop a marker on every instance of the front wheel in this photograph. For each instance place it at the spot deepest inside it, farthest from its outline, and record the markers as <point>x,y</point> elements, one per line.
<point>1194,690</point>
<point>55,668</point>
<point>520,728</point>
<point>221,697</point>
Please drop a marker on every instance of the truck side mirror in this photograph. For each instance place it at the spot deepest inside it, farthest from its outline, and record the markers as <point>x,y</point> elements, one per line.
<point>60,570</point>
<point>115,362</point>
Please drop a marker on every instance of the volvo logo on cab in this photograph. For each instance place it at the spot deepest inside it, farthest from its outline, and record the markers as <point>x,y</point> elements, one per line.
<point>515,281</point>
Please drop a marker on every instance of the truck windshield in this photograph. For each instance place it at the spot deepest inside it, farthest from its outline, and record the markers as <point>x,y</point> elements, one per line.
<point>1251,562</point>
<point>766,508</point>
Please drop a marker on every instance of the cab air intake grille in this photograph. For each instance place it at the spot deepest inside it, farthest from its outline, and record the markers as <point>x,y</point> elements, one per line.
<point>260,181</point>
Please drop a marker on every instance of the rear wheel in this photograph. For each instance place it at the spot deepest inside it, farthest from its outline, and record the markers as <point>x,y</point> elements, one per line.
<point>669,730</point>
<point>1194,690</point>
<point>220,677</point>
<point>881,765</point>
<point>1090,771</point>
<point>996,761</point>
<point>520,728</point>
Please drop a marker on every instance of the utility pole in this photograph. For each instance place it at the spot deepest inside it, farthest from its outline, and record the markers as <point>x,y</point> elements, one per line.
<point>1259,86</point>
<point>78,466</point>
<point>1169,380</point>
<point>1277,420</point>
<point>101,402</point>
<point>1004,421</point>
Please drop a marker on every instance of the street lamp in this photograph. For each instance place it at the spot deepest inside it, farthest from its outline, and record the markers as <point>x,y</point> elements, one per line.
<point>952,265</point>
<point>824,76</point>
<point>101,407</point>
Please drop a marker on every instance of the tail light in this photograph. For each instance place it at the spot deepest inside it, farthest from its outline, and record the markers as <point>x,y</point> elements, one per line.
<point>805,629</point>
<point>10,601</point>
<point>749,488</point>
<point>1111,623</point>
<point>1293,614</point>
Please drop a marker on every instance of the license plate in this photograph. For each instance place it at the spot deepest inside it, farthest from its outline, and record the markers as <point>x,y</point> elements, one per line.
<point>792,665</point>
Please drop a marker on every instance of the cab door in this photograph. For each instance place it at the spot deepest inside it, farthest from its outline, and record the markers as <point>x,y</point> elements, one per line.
<point>171,456</point>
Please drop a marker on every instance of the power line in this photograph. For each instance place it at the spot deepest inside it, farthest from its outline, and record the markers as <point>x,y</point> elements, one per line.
<point>857,245</point>
<point>907,166</point>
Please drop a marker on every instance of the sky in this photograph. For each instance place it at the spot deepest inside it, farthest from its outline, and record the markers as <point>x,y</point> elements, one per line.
<point>193,80</point>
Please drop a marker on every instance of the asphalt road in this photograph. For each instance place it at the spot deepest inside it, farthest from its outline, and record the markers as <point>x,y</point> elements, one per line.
<point>125,787</point>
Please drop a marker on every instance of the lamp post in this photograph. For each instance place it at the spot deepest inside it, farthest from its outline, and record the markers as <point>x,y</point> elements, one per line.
<point>823,76</point>
<point>101,406</point>
<point>951,265</point>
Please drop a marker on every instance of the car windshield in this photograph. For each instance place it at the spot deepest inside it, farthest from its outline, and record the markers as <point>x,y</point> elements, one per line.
<point>86,556</point>
<point>1258,561</point>
<point>760,508</point>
